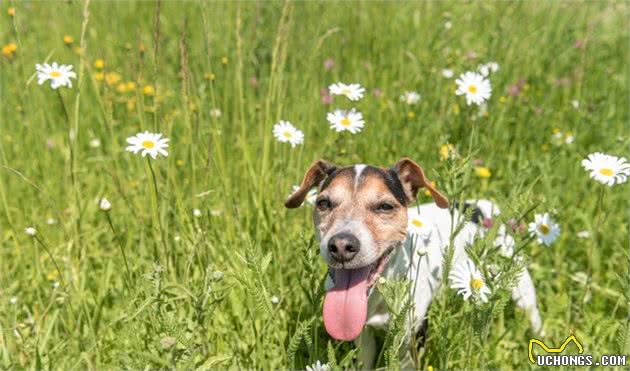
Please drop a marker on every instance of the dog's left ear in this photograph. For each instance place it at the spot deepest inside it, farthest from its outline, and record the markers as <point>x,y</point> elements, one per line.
<point>315,174</point>
<point>412,178</point>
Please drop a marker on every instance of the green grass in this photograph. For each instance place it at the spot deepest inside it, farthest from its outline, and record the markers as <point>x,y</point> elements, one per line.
<point>173,311</point>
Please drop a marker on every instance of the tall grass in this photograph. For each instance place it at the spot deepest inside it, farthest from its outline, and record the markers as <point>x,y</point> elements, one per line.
<point>200,289</point>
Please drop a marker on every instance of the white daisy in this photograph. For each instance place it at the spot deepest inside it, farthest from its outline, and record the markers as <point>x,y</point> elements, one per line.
<point>353,92</point>
<point>275,300</point>
<point>341,120</point>
<point>468,281</point>
<point>490,67</point>
<point>311,196</point>
<point>410,97</point>
<point>215,112</point>
<point>318,366</point>
<point>418,226</point>
<point>606,169</point>
<point>447,73</point>
<point>104,204</point>
<point>287,133</point>
<point>197,213</point>
<point>544,228</point>
<point>149,143</point>
<point>30,231</point>
<point>476,88</point>
<point>95,143</point>
<point>584,234</point>
<point>59,75</point>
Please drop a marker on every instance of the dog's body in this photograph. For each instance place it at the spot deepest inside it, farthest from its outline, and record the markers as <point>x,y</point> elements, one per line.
<point>361,216</point>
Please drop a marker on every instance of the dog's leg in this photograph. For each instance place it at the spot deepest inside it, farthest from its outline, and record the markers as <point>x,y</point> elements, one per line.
<point>366,343</point>
<point>524,295</point>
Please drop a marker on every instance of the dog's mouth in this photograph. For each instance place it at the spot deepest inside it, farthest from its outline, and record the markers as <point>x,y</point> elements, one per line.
<point>345,305</point>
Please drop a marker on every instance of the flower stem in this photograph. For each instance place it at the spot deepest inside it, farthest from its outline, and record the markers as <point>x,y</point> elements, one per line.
<point>43,245</point>
<point>122,249</point>
<point>157,213</point>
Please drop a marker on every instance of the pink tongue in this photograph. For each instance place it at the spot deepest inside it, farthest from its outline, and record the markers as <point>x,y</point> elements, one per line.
<point>345,305</point>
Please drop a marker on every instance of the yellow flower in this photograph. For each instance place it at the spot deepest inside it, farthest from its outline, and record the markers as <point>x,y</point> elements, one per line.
<point>6,51</point>
<point>11,12</point>
<point>502,99</point>
<point>483,172</point>
<point>209,76</point>
<point>148,90</point>
<point>12,47</point>
<point>77,49</point>
<point>99,76</point>
<point>224,60</point>
<point>447,151</point>
<point>555,130</point>
<point>112,78</point>
<point>411,114</point>
<point>180,162</point>
<point>68,39</point>
<point>131,104</point>
<point>99,63</point>
<point>131,85</point>
<point>121,88</point>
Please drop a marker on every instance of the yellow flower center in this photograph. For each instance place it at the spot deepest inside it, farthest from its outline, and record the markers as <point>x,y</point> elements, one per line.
<point>345,121</point>
<point>606,171</point>
<point>476,283</point>
<point>148,144</point>
<point>544,229</point>
<point>55,74</point>
<point>287,135</point>
<point>417,223</point>
<point>472,89</point>
<point>346,91</point>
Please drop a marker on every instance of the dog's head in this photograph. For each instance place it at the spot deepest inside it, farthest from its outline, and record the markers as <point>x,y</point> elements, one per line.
<point>360,217</point>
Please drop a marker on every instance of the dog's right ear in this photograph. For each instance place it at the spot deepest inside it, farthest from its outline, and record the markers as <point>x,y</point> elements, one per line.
<point>315,174</point>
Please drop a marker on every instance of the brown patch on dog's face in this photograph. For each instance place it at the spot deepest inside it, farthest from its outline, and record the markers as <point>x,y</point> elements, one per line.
<point>364,201</point>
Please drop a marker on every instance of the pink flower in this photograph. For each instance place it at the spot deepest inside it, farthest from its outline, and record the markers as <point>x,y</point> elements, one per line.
<point>253,82</point>
<point>325,96</point>
<point>377,92</point>
<point>329,64</point>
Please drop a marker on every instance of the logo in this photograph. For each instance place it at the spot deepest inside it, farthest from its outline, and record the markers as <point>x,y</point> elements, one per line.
<point>554,358</point>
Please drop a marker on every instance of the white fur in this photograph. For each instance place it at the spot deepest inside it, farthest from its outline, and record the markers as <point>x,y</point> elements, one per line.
<point>425,273</point>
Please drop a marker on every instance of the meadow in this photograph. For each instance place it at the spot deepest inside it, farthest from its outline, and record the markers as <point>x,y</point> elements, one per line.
<point>196,264</point>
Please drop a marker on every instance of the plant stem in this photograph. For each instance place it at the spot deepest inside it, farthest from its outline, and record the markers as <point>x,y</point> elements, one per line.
<point>157,213</point>
<point>122,249</point>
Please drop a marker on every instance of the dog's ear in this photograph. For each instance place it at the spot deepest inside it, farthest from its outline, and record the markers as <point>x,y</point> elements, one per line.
<point>315,174</point>
<point>412,178</point>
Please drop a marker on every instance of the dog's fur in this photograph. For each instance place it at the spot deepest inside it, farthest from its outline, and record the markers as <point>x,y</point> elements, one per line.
<point>372,204</point>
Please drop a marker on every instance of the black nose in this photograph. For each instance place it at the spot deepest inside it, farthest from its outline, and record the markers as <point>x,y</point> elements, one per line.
<point>343,247</point>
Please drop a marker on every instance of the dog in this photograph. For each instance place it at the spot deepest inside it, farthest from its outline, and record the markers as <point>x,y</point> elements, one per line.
<point>361,217</point>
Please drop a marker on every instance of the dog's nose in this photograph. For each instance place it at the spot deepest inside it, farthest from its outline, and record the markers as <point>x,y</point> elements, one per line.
<point>343,247</point>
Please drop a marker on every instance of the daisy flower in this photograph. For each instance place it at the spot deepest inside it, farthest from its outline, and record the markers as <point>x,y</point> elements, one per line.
<point>490,67</point>
<point>447,73</point>
<point>544,228</point>
<point>59,75</point>
<point>311,196</point>
<point>410,97</point>
<point>104,204</point>
<point>353,92</point>
<point>418,226</point>
<point>318,366</point>
<point>474,86</point>
<point>30,231</point>
<point>149,143</point>
<point>341,120</point>
<point>606,169</point>
<point>287,133</point>
<point>468,281</point>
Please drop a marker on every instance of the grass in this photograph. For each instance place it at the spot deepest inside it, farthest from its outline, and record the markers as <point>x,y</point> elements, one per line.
<point>259,62</point>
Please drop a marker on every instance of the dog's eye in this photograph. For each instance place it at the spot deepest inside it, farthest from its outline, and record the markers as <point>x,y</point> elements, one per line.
<point>384,207</point>
<point>324,204</point>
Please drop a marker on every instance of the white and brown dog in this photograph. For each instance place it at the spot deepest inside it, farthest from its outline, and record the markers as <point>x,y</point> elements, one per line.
<point>361,216</point>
